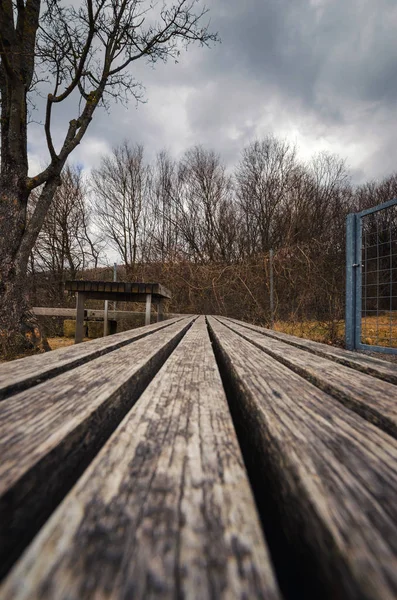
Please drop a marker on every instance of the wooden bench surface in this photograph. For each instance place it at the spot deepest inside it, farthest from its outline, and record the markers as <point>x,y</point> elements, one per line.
<point>121,471</point>
<point>25,372</point>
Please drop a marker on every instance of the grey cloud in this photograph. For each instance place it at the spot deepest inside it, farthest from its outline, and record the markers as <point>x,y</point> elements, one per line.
<point>322,68</point>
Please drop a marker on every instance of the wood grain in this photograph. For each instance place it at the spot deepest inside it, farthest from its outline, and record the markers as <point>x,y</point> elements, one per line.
<point>333,475</point>
<point>23,373</point>
<point>366,364</point>
<point>373,399</point>
<point>165,510</point>
<point>50,433</point>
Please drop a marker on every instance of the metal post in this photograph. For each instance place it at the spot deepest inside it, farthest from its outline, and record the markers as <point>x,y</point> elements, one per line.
<point>271,289</point>
<point>105,319</point>
<point>357,266</point>
<point>148,307</point>
<point>350,318</point>
<point>79,334</point>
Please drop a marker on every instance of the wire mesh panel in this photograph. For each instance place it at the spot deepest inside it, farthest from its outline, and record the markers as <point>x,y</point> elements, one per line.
<point>371,282</point>
<point>379,278</point>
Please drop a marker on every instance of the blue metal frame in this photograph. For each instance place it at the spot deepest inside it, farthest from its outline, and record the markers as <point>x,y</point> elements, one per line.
<point>350,318</point>
<point>354,280</point>
<point>374,209</point>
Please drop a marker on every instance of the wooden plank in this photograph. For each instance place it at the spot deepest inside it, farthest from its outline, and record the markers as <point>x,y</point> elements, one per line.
<point>165,510</point>
<point>124,314</point>
<point>367,364</point>
<point>50,433</point>
<point>331,474</point>
<point>23,373</point>
<point>120,314</point>
<point>122,289</point>
<point>161,290</point>
<point>373,399</point>
<point>116,297</point>
<point>44,311</point>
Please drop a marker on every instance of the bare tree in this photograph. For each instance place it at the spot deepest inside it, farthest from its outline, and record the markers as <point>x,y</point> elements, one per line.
<point>263,181</point>
<point>331,187</point>
<point>66,243</point>
<point>121,188</point>
<point>206,211</point>
<point>164,230</point>
<point>84,53</point>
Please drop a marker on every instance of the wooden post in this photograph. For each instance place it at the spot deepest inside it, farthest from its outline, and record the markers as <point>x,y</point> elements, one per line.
<point>79,335</point>
<point>114,279</point>
<point>160,314</point>
<point>105,318</point>
<point>148,307</point>
<point>271,289</point>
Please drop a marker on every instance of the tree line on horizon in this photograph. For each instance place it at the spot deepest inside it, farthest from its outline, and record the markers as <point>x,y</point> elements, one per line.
<point>206,232</point>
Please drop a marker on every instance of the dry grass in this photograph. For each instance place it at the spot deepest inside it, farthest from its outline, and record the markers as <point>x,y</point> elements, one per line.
<point>380,331</point>
<point>376,331</point>
<point>60,342</point>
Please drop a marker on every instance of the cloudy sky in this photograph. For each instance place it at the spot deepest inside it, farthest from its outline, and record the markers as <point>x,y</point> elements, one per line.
<point>322,73</point>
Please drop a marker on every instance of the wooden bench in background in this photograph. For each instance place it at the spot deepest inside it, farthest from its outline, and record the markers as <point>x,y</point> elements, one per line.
<point>198,458</point>
<point>95,319</point>
<point>115,291</point>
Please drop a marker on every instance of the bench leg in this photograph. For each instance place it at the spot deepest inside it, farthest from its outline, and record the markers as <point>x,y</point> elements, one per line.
<point>160,314</point>
<point>105,318</point>
<point>148,307</point>
<point>79,318</point>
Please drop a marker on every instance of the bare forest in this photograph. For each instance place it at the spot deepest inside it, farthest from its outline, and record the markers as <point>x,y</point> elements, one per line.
<point>206,231</point>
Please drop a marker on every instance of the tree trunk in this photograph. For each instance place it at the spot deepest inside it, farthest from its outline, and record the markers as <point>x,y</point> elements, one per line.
<point>19,330</point>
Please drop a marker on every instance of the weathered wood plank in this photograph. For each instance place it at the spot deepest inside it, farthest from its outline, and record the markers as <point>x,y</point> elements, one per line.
<point>59,311</point>
<point>367,364</point>
<point>23,373</point>
<point>124,314</point>
<point>165,510</point>
<point>373,399</point>
<point>332,475</point>
<point>117,288</point>
<point>49,433</point>
<point>44,311</point>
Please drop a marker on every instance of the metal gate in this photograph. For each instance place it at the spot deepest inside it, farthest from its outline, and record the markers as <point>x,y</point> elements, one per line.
<point>371,279</point>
